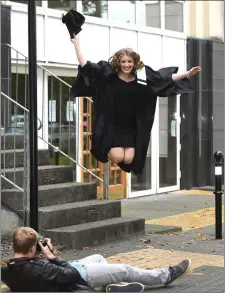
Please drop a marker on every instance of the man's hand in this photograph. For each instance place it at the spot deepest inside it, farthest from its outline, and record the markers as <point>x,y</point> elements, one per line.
<point>49,242</point>
<point>47,249</point>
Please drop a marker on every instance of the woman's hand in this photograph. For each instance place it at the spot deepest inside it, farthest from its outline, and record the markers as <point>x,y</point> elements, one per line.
<point>194,70</point>
<point>75,40</point>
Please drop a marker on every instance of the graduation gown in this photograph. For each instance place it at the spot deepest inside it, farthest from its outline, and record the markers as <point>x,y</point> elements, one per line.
<point>95,80</point>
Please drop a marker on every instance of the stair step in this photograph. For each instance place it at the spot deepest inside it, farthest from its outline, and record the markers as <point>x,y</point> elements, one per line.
<point>11,158</point>
<point>7,141</point>
<point>46,175</point>
<point>78,213</point>
<point>52,194</point>
<point>100,232</point>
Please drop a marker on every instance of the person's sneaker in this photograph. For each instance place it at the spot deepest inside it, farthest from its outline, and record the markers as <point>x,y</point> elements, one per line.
<point>127,287</point>
<point>179,270</point>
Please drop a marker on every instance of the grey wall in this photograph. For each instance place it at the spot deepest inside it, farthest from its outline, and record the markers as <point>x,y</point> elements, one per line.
<point>5,62</point>
<point>202,113</point>
<point>218,96</point>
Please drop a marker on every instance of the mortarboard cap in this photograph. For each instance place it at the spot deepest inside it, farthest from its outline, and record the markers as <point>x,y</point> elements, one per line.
<point>73,20</point>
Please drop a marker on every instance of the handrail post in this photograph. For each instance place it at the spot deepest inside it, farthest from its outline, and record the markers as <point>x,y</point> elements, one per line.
<point>106,182</point>
<point>33,114</point>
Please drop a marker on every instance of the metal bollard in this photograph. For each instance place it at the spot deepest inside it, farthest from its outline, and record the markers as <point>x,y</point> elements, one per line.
<point>56,156</point>
<point>218,156</point>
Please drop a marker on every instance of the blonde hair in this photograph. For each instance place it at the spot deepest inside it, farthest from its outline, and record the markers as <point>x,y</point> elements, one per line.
<point>24,238</point>
<point>115,59</point>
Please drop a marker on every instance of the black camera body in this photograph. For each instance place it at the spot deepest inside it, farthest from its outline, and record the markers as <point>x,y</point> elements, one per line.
<point>43,242</point>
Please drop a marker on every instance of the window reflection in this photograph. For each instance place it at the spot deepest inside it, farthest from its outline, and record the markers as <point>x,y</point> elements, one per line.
<point>38,3</point>
<point>62,4</point>
<point>153,15</point>
<point>174,16</point>
<point>125,13</point>
<point>97,8</point>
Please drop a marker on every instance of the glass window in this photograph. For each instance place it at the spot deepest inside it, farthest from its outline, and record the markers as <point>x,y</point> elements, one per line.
<point>153,15</point>
<point>19,88</point>
<point>38,2</point>
<point>62,4</point>
<point>125,13</point>
<point>61,118</point>
<point>97,8</point>
<point>174,16</point>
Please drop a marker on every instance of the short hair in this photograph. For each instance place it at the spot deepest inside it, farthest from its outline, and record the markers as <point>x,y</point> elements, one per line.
<point>24,238</point>
<point>115,59</point>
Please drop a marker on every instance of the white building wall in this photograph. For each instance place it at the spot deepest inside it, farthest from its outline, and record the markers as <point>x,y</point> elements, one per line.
<point>99,39</point>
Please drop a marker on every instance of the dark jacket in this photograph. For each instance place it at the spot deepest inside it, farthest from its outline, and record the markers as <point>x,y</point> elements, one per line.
<point>95,80</point>
<point>42,275</point>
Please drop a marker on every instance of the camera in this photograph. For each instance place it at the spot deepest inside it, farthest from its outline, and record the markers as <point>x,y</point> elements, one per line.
<point>43,242</point>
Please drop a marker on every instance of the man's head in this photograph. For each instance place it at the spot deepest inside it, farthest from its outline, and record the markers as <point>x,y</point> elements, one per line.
<point>24,241</point>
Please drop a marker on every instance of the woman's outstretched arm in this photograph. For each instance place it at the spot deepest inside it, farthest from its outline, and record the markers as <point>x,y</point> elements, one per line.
<point>82,60</point>
<point>187,74</point>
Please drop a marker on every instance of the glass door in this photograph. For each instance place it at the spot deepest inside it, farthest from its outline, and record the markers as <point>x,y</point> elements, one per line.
<point>168,160</point>
<point>145,183</point>
<point>162,167</point>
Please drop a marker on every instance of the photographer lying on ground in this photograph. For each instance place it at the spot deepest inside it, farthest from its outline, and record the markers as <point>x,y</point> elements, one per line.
<point>28,272</point>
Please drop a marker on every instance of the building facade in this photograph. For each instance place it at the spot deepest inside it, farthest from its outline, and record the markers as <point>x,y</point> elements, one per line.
<point>157,30</point>
<point>202,114</point>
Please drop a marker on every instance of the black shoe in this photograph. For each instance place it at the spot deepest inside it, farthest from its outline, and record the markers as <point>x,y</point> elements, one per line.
<point>128,287</point>
<point>179,270</point>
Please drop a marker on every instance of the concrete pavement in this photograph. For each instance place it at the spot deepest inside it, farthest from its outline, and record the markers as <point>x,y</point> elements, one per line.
<point>162,245</point>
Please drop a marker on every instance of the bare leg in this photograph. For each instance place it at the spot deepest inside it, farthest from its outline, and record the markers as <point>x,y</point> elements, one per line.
<point>128,155</point>
<point>116,155</point>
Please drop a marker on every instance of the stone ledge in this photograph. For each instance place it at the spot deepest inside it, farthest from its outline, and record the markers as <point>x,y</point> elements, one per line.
<point>161,229</point>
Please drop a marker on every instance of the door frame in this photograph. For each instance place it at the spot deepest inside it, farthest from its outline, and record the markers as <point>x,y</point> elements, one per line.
<point>178,148</point>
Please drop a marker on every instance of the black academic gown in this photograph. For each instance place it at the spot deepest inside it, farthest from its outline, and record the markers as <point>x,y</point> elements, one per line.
<point>95,80</point>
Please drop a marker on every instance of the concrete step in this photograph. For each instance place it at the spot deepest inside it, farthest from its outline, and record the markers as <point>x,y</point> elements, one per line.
<point>10,141</point>
<point>52,194</point>
<point>11,158</point>
<point>78,213</point>
<point>46,175</point>
<point>100,232</point>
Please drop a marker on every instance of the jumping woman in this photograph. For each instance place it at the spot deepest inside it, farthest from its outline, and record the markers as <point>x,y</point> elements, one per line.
<point>124,92</point>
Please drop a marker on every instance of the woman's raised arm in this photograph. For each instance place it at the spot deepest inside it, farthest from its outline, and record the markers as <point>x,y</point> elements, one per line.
<point>79,54</point>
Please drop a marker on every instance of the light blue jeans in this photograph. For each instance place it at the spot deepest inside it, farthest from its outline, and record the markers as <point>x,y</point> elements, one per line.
<point>97,273</point>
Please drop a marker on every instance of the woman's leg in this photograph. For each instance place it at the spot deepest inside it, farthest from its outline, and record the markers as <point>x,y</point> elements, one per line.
<point>129,155</point>
<point>116,155</point>
<point>97,275</point>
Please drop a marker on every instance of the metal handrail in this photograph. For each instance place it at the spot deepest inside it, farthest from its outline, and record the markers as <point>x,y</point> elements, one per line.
<point>56,148</point>
<point>16,103</point>
<point>74,161</point>
<point>19,105</point>
<point>14,184</point>
<point>39,65</point>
